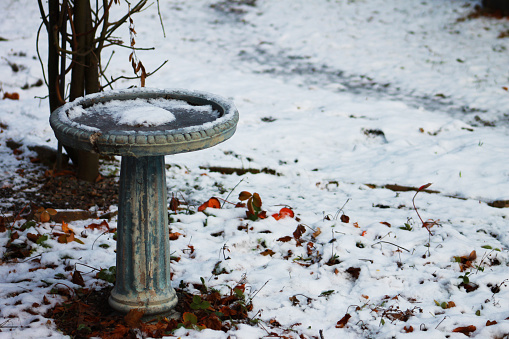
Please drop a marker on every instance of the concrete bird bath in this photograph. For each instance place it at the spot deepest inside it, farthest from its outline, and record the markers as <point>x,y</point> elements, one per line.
<point>143,125</point>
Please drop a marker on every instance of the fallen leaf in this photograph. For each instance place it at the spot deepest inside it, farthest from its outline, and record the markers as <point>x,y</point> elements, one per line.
<point>466,330</point>
<point>299,231</point>
<point>77,278</point>
<point>11,96</point>
<point>342,323</point>
<point>65,228</point>
<point>408,329</point>
<point>451,304</point>
<point>490,323</point>
<point>385,223</point>
<point>103,225</point>
<point>354,272</point>
<point>212,203</point>
<point>133,318</point>
<point>286,212</point>
<point>268,252</point>
<point>285,239</point>
<point>345,218</point>
<point>175,235</point>
<point>174,204</point>
<point>66,238</point>
<point>317,232</point>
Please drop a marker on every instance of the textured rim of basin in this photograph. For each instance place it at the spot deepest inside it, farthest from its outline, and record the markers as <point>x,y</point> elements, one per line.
<point>148,143</point>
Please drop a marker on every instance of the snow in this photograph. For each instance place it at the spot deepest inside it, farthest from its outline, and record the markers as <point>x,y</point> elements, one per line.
<point>340,99</point>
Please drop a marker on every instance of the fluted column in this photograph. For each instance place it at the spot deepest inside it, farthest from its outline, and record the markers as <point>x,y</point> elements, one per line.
<point>143,248</point>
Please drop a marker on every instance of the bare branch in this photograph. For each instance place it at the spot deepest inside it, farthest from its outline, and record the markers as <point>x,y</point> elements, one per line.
<point>132,78</point>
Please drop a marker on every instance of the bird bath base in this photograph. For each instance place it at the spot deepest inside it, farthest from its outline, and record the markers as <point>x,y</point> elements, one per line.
<point>92,123</point>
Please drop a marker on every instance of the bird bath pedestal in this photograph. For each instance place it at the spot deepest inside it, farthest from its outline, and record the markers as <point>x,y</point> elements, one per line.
<point>142,126</point>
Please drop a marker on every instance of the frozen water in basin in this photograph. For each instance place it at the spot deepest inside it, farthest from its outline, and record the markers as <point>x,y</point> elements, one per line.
<point>141,115</point>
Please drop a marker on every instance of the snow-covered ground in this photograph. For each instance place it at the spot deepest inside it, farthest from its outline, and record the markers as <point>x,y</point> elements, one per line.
<point>333,96</point>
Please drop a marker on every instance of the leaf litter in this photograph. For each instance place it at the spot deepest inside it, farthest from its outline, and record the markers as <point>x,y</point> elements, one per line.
<point>319,271</point>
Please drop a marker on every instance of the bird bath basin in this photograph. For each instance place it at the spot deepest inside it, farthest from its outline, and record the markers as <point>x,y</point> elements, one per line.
<point>143,125</point>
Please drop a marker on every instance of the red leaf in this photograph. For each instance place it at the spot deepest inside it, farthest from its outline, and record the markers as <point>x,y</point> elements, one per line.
<point>385,223</point>
<point>286,212</point>
<point>466,330</point>
<point>490,323</point>
<point>423,187</point>
<point>343,321</point>
<point>212,203</point>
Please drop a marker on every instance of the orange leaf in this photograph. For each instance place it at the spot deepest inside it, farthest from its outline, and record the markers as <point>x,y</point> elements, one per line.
<point>65,228</point>
<point>465,329</point>
<point>102,225</point>
<point>356,225</point>
<point>385,223</point>
<point>408,329</point>
<point>276,216</point>
<point>45,217</point>
<point>66,238</point>
<point>175,235</point>
<point>212,203</point>
<point>364,233</point>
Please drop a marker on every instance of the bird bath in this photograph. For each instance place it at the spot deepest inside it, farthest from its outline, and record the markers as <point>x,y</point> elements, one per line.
<point>143,125</point>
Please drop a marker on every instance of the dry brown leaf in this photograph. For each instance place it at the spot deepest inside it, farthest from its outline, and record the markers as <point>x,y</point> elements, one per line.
<point>317,233</point>
<point>343,321</point>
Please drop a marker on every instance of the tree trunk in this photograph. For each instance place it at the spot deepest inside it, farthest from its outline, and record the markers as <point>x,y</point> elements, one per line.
<point>501,6</point>
<point>53,57</point>
<point>84,80</point>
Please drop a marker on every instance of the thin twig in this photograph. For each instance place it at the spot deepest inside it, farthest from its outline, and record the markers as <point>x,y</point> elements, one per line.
<point>160,18</point>
<point>390,243</point>
<point>233,189</point>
